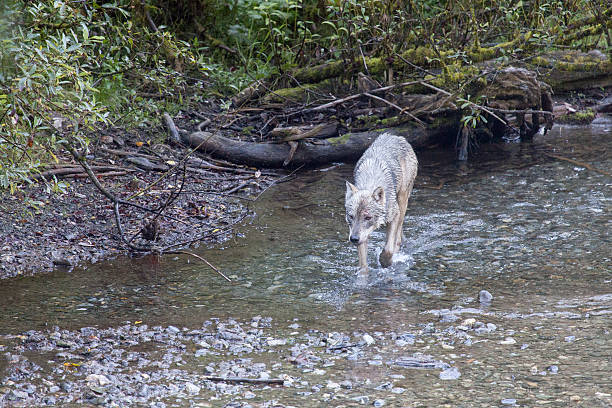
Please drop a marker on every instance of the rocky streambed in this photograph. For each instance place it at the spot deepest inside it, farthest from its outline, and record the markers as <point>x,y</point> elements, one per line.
<point>466,355</point>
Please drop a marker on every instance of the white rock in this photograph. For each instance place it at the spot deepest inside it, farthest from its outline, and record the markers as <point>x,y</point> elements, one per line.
<point>368,339</point>
<point>192,388</point>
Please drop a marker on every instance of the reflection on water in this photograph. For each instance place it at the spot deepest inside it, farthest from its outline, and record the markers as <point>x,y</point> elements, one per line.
<point>510,218</point>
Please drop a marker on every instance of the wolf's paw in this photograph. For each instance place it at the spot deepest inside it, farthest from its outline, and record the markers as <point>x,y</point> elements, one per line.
<point>386,259</point>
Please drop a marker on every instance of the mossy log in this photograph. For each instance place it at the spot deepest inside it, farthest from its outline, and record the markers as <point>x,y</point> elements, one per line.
<point>421,56</point>
<point>573,70</point>
<point>563,70</point>
<point>348,147</point>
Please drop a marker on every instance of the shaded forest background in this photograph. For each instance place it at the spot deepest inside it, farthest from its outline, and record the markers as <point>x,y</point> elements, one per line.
<point>71,69</point>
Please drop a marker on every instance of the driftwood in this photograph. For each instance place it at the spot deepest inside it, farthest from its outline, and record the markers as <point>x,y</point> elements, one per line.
<point>77,171</point>
<point>347,147</point>
<point>321,131</point>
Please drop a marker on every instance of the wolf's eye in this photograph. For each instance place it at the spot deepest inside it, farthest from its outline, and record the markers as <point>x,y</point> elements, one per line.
<point>349,217</point>
<point>367,217</point>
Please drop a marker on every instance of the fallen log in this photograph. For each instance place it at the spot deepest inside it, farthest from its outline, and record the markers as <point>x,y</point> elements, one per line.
<point>348,147</point>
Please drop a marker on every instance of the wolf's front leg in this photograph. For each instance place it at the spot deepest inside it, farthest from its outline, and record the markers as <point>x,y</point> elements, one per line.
<point>362,251</point>
<point>386,256</point>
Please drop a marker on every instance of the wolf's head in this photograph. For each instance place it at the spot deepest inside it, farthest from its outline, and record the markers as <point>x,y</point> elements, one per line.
<point>365,212</point>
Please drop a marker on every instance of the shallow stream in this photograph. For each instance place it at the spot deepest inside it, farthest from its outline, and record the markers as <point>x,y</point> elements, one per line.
<point>531,229</point>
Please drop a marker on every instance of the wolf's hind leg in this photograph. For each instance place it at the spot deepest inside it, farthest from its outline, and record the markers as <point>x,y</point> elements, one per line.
<point>403,205</point>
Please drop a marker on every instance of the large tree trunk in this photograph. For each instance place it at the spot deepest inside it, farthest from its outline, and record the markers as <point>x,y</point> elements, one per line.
<point>347,147</point>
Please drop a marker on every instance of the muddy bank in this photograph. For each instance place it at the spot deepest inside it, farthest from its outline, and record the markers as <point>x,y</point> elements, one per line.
<point>41,229</point>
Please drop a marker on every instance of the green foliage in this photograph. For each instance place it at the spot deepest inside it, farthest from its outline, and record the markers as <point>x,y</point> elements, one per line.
<point>68,68</point>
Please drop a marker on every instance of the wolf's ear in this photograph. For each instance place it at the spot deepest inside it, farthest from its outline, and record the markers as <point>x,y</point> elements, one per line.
<point>350,190</point>
<point>379,195</point>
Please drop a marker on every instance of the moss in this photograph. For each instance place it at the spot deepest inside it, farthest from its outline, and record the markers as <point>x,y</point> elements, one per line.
<point>582,64</point>
<point>367,121</point>
<point>342,139</point>
<point>299,94</point>
<point>582,117</point>
<point>247,130</point>
<point>541,62</point>
<point>320,72</point>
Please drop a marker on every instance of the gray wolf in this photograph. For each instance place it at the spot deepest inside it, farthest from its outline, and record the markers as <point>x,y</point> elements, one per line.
<point>384,177</point>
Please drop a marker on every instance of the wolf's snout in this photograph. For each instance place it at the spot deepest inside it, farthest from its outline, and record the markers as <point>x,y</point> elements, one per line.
<point>354,239</point>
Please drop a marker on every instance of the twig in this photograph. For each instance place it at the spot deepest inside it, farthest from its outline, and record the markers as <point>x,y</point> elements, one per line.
<point>76,169</point>
<point>106,174</point>
<point>293,145</point>
<point>150,21</point>
<point>401,110</point>
<point>238,187</point>
<point>125,153</point>
<point>435,88</point>
<point>121,234</point>
<point>200,238</point>
<point>524,111</point>
<point>276,182</point>
<point>278,381</point>
<point>173,134</point>
<point>201,259</point>
<point>578,163</point>
<point>359,95</point>
<point>204,124</point>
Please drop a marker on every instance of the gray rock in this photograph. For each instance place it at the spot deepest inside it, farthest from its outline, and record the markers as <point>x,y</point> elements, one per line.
<point>485,297</point>
<point>362,399</point>
<point>192,388</point>
<point>451,373</point>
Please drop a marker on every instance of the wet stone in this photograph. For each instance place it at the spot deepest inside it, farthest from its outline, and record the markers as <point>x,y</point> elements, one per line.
<point>485,297</point>
<point>508,401</point>
<point>362,399</point>
<point>192,388</point>
<point>378,403</point>
<point>451,373</point>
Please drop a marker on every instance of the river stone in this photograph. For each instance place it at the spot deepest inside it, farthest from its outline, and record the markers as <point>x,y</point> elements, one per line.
<point>378,403</point>
<point>17,394</point>
<point>451,373</point>
<point>192,388</point>
<point>362,399</point>
<point>97,379</point>
<point>368,339</point>
<point>508,401</point>
<point>485,297</point>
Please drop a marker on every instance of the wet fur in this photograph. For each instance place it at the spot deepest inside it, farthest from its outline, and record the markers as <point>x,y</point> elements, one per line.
<point>384,177</point>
